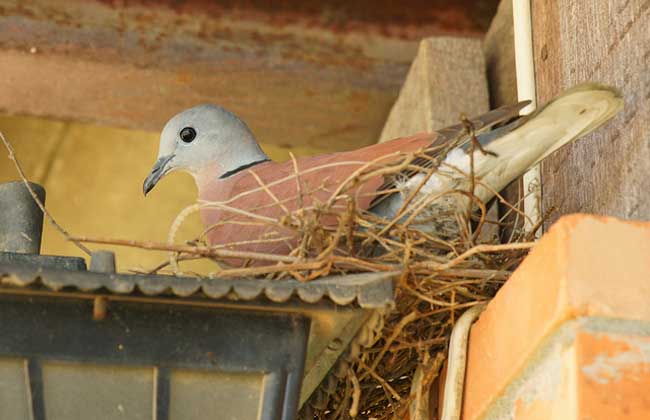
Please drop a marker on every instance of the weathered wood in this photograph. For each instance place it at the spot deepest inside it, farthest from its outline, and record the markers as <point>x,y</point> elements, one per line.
<point>499,51</point>
<point>446,79</point>
<point>320,75</point>
<point>609,42</point>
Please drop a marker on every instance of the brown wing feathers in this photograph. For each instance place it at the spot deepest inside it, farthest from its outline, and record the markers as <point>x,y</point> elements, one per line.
<point>454,136</point>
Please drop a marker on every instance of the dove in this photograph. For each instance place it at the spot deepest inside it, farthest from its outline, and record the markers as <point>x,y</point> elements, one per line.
<point>231,169</point>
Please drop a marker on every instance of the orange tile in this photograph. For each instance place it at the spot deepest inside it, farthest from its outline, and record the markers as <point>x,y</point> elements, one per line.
<point>584,266</point>
<point>600,375</point>
<point>613,376</point>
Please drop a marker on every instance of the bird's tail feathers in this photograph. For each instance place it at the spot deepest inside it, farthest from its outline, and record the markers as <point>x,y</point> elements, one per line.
<point>579,110</point>
<point>575,113</point>
<point>514,148</point>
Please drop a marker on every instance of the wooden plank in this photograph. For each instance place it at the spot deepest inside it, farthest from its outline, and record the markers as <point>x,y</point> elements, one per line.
<point>499,51</point>
<point>609,42</point>
<point>446,79</point>
<point>313,74</point>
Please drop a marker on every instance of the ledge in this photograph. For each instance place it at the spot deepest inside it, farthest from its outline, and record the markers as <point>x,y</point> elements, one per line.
<point>367,290</point>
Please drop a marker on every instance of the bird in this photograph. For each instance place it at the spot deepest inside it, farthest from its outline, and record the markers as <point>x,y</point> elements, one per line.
<point>232,170</point>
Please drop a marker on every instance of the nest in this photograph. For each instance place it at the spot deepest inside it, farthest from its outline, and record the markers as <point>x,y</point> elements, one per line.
<point>443,271</point>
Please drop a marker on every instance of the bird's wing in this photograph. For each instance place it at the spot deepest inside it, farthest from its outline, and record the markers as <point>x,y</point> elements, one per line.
<point>448,138</point>
<point>272,190</point>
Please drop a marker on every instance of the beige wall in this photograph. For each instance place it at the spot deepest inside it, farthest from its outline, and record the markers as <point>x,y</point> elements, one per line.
<point>93,176</point>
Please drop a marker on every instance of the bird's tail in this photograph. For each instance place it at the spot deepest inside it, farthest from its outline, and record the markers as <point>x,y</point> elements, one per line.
<point>573,114</point>
<point>513,149</point>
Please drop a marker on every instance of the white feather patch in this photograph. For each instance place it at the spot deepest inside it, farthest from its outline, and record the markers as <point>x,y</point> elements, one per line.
<point>455,161</point>
<point>457,158</point>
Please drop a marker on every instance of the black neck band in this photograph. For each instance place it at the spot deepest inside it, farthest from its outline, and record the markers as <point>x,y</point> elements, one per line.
<point>241,168</point>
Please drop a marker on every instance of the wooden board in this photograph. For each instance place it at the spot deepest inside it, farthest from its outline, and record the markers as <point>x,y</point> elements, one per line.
<point>311,74</point>
<point>499,51</point>
<point>604,41</point>
<point>446,79</point>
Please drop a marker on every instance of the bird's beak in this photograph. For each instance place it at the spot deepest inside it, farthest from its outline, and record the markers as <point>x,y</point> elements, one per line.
<point>159,170</point>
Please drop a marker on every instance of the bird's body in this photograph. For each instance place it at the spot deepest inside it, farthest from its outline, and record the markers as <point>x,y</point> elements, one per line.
<point>272,190</point>
<point>232,171</point>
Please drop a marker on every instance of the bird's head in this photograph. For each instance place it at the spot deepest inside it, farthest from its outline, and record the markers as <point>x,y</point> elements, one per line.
<point>206,140</point>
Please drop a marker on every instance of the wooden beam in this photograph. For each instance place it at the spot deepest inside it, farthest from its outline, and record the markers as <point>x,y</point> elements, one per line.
<point>446,79</point>
<point>319,75</point>
<point>608,42</point>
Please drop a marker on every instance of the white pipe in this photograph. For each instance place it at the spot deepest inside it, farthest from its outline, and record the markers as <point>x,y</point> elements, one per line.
<point>452,402</point>
<point>525,68</point>
<point>525,65</point>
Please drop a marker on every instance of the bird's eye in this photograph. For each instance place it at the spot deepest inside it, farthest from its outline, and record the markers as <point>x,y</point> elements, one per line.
<point>187,134</point>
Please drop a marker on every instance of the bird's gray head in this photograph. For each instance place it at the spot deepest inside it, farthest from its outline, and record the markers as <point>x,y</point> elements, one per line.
<point>206,138</point>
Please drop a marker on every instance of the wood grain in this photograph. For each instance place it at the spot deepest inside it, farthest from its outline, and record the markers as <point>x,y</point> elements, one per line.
<point>499,51</point>
<point>446,79</point>
<point>609,42</point>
